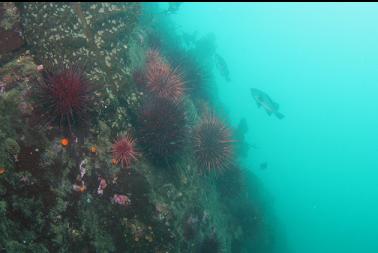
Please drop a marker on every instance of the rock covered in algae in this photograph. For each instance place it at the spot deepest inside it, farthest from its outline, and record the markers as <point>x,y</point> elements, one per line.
<point>12,146</point>
<point>10,31</point>
<point>19,72</point>
<point>93,34</point>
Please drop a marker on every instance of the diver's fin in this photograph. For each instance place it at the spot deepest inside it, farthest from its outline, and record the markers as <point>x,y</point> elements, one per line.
<point>280,115</point>
<point>277,106</point>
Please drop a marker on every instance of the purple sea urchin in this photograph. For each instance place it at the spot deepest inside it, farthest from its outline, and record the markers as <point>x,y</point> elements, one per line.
<point>162,129</point>
<point>63,98</point>
<point>212,144</point>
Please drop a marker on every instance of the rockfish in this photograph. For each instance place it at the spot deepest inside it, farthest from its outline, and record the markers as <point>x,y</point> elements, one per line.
<point>262,99</point>
<point>221,65</point>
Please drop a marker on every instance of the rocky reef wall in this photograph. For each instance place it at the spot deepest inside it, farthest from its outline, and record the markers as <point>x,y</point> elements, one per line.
<point>94,184</point>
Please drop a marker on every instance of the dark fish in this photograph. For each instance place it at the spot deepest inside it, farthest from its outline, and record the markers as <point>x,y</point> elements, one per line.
<point>262,99</point>
<point>242,127</point>
<point>221,65</point>
<point>254,146</point>
<point>173,7</point>
<point>190,39</point>
<point>263,166</point>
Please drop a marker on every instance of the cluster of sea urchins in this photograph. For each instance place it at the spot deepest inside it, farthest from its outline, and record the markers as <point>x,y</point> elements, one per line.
<point>63,98</point>
<point>162,129</point>
<point>212,144</point>
<point>160,79</point>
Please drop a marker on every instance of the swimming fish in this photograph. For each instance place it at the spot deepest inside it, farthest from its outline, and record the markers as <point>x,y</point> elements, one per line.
<point>221,65</point>
<point>262,99</point>
<point>190,39</point>
<point>173,7</point>
<point>263,166</point>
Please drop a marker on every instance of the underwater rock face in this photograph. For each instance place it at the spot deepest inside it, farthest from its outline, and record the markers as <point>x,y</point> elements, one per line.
<point>67,192</point>
<point>93,34</point>
<point>10,31</point>
<point>18,73</point>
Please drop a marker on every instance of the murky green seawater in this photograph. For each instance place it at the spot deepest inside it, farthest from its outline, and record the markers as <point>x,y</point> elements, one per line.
<point>318,61</point>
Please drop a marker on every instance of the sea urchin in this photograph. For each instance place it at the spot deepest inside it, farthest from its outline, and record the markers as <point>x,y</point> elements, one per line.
<point>212,144</point>
<point>124,151</point>
<point>63,98</point>
<point>161,80</point>
<point>162,129</point>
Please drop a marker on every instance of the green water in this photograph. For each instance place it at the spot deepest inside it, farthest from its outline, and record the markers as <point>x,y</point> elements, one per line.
<point>319,62</point>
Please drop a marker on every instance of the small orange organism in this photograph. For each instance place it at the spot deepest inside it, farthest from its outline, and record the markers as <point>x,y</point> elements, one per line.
<point>114,161</point>
<point>2,170</point>
<point>93,149</point>
<point>82,188</point>
<point>64,142</point>
<point>79,187</point>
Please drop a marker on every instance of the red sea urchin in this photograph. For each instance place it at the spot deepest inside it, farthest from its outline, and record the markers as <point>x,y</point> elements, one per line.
<point>161,80</point>
<point>162,129</point>
<point>212,144</point>
<point>63,98</point>
<point>124,151</point>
